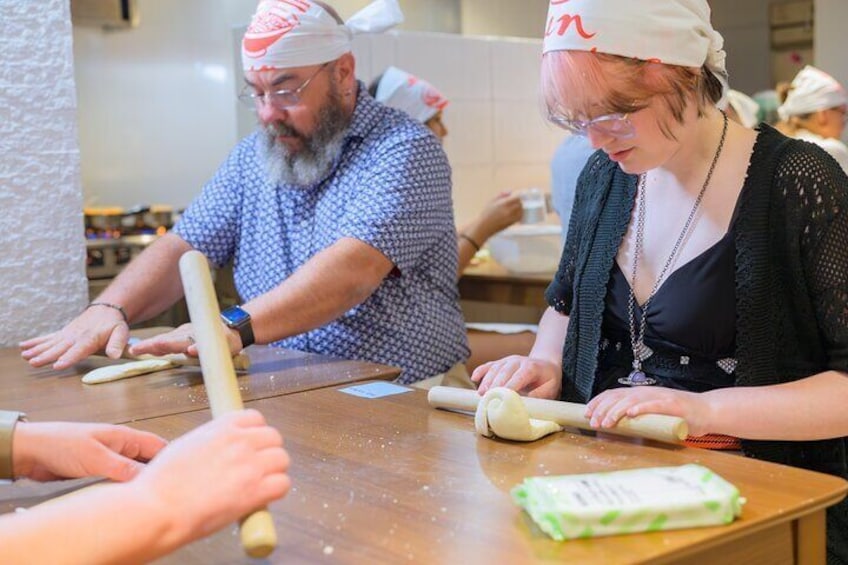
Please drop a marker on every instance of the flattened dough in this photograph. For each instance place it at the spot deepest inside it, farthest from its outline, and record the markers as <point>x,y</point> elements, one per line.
<point>125,370</point>
<point>502,413</point>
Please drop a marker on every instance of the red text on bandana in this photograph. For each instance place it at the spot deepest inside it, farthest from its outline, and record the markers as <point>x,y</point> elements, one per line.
<point>270,26</point>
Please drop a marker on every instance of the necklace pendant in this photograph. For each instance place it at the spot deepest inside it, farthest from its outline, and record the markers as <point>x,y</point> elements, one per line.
<point>637,377</point>
<point>642,352</point>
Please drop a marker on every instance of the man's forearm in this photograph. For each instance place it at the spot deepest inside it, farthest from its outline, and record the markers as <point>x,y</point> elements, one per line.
<point>151,283</point>
<point>322,290</point>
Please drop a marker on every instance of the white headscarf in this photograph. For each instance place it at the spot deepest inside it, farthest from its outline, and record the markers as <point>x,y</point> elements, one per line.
<point>812,90</point>
<point>298,33</point>
<point>418,98</point>
<point>744,106</point>
<point>673,32</point>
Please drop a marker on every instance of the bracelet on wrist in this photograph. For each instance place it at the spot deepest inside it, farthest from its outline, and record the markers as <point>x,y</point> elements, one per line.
<point>117,307</point>
<point>473,243</point>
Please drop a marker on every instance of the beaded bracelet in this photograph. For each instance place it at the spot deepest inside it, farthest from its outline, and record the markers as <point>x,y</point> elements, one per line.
<point>471,241</point>
<point>113,306</point>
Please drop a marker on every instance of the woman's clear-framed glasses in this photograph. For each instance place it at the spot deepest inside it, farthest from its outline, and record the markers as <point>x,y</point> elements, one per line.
<point>615,125</point>
<point>279,99</point>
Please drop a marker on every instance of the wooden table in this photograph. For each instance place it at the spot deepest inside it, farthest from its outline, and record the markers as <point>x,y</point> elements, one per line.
<point>391,480</point>
<point>60,395</point>
<point>491,282</point>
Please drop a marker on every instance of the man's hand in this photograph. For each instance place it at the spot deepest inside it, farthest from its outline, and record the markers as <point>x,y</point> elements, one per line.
<point>181,340</point>
<point>97,328</point>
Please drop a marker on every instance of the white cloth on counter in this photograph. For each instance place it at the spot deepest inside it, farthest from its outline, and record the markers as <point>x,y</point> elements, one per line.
<point>406,92</point>
<point>672,32</point>
<point>812,90</point>
<point>285,34</point>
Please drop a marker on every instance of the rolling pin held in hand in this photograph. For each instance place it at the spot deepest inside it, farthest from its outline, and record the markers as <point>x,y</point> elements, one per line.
<point>258,536</point>
<point>668,429</point>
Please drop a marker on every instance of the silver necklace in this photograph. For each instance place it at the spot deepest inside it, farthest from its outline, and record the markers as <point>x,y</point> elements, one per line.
<point>637,376</point>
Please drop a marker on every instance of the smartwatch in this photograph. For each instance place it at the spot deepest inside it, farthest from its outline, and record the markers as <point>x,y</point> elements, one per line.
<point>236,318</point>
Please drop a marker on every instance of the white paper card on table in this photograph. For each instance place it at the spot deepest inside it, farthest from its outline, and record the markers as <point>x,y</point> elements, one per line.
<point>375,390</point>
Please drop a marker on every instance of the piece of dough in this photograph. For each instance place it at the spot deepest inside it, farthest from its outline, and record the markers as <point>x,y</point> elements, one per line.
<point>502,413</point>
<point>125,370</point>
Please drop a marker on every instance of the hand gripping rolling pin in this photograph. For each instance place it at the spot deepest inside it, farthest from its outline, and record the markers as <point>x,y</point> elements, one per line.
<point>668,429</point>
<point>258,536</point>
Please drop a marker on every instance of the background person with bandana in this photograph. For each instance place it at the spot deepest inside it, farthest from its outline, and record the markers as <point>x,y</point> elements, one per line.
<point>337,213</point>
<point>705,269</point>
<point>421,100</point>
<point>400,90</point>
<point>814,108</point>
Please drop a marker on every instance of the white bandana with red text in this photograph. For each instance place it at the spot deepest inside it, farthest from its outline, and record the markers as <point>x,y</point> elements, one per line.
<point>672,32</point>
<point>418,98</point>
<point>297,33</point>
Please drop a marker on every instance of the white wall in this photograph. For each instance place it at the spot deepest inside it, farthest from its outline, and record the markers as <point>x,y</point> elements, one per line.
<point>42,279</point>
<point>829,39</point>
<point>156,102</point>
<point>744,25</point>
<point>524,18</point>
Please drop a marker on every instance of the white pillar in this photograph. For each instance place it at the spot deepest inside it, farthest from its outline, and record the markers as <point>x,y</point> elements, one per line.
<point>42,248</point>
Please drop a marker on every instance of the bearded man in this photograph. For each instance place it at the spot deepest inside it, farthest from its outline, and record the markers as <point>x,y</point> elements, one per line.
<point>336,212</point>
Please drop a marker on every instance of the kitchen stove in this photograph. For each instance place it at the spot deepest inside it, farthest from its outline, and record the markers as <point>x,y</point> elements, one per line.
<point>113,239</point>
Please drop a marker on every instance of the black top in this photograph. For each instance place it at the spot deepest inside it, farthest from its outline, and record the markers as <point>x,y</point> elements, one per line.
<point>698,331</point>
<point>791,272</point>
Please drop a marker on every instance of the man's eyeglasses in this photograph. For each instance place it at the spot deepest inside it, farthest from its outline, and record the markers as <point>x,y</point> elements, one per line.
<point>279,99</point>
<point>615,125</point>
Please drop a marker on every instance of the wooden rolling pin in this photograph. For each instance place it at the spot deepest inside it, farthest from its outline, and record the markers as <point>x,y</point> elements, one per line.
<point>668,429</point>
<point>258,536</point>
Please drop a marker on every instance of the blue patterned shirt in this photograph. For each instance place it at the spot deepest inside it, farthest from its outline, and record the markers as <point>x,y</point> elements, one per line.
<point>391,189</point>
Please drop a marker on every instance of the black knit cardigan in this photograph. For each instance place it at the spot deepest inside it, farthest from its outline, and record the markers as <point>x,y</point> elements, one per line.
<point>791,286</point>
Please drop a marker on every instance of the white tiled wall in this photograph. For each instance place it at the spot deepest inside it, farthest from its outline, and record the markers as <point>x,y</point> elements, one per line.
<point>497,137</point>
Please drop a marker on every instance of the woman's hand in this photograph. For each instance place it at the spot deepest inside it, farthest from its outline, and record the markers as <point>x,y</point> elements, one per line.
<point>215,474</point>
<point>606,409</point>
<point>526,375</point>
<point>503,211</point>
<point>46,451</point>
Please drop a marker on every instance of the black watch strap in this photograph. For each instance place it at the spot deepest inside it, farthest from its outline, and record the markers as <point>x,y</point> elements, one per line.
<point>238,319</point>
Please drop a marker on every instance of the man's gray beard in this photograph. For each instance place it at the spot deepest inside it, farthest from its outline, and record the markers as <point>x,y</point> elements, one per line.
<point>317,154</point>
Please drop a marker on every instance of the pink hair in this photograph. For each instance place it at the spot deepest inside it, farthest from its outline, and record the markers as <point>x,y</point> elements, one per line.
<point>582,83</point>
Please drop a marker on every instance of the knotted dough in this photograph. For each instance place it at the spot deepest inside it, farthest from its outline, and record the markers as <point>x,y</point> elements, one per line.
<point>502,413</point>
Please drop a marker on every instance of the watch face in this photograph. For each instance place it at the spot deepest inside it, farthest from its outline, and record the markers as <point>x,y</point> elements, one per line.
<point>235,316</point>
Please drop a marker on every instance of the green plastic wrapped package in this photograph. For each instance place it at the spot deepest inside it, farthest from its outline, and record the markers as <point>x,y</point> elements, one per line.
<point>624,502</point>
